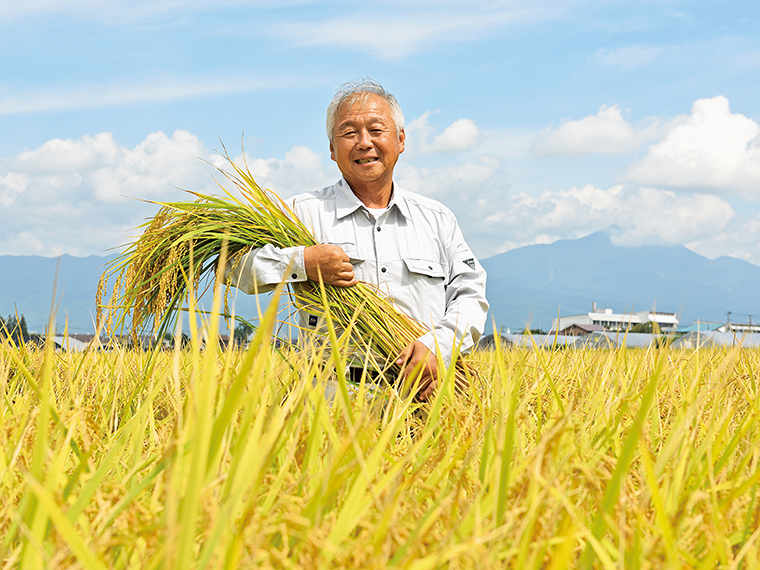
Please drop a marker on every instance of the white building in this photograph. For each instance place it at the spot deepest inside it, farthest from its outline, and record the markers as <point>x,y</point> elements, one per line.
<point>740,328</point>
<point>617,321</point>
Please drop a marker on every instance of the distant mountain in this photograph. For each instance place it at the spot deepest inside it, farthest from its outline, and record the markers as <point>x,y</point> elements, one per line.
<point>26,285</point>
<point>526,285</point>
<point>531,284</point>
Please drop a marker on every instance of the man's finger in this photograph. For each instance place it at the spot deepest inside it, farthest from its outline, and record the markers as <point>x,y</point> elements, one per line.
<point>404,356</point>
<point>427,391</point>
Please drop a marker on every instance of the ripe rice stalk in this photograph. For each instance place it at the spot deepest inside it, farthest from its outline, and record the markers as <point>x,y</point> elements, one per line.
<point>177,254</point>
<point>227,459</point>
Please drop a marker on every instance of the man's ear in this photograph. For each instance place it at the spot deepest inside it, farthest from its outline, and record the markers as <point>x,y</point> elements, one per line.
<point>332,152</point>
<point>401,140</point>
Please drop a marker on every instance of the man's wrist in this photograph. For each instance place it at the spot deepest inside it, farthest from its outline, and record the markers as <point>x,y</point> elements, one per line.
<point>438,341</point>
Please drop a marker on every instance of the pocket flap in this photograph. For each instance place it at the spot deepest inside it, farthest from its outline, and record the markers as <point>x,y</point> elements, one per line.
<point>425,267</point>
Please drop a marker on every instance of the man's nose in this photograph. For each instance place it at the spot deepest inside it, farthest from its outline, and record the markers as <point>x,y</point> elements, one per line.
<point>365,141</point>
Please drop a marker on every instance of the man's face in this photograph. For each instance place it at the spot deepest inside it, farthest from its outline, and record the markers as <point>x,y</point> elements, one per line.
<point>365,143</point>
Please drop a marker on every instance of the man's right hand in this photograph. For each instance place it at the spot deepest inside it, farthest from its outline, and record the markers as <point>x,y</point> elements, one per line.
<point>331,262</point>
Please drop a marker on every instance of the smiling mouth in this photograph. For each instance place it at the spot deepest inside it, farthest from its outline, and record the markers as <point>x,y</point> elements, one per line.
<point>365,160</point>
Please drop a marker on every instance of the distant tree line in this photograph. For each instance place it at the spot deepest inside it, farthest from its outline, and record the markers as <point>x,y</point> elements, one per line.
<point>15,328</point>
<point>242,332</point>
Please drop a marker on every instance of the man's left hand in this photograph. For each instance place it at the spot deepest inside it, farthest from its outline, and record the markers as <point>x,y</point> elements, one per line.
<point>417,356</point>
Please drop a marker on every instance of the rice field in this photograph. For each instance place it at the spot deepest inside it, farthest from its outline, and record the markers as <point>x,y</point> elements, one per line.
<point>211,458</point>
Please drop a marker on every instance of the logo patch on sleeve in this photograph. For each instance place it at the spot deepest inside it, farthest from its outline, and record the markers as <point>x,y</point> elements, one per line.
<point>313,320</point>
<point>470,262</point>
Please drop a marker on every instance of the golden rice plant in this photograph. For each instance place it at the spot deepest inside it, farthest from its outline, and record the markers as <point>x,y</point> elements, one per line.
<point>610,459</point>
<point>179,249</point>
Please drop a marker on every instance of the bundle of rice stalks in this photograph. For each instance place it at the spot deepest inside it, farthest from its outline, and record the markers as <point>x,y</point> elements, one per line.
<point>180,248</point>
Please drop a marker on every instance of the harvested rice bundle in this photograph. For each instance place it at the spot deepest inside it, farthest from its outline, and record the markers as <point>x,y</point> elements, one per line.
<point>180,246</point>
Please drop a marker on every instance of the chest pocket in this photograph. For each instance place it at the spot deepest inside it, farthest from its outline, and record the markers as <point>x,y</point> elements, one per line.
<point>426,267</point>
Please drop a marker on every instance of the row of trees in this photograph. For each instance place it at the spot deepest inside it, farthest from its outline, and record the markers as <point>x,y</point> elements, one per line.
<point>14,328</point>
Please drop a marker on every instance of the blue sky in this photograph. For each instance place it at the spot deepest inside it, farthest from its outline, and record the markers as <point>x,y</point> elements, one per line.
<point>532,120</point>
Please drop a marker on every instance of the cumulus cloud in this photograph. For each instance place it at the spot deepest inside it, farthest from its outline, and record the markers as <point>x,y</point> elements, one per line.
<point>460,136</point>
<point>644,216</point>
<point>85,196</point>
<point>739,239</point>
<point>98,168</point>
<point>68,196</point>
<point>302,170</point>
<point>711,149</point>
<point>607,132</point>
<point>453,184</point>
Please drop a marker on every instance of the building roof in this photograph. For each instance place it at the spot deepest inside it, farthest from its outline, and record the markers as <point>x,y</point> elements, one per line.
<point>588,329</point>
<point>714,338</point>
<point>69,343</point>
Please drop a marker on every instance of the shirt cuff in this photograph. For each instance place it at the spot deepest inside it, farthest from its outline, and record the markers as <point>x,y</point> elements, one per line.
<point>294,264</point>
<point>444,341</point>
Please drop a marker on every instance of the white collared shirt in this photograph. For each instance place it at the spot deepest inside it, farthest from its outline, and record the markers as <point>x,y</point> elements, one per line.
<point>414,252</point>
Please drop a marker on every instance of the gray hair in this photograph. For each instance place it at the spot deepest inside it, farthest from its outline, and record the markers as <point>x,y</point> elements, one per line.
<point>358,91</point>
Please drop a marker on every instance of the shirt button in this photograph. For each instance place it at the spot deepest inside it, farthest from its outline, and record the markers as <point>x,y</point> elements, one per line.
<point>294,276</point>
<point>378,229</point>
<point>383,270</point>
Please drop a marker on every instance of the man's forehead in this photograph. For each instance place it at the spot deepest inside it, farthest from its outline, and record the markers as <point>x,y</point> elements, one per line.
<point>364,102</point>
<point>364,119</point>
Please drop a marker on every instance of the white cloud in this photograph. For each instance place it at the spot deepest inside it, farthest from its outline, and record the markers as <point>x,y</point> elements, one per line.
<point>627,57</point>
<point>98,168</point>
<point>711,149</point>
<point>153,169</point>
<point>125,12</point>
<point>57,98</point>
<point>407,28</point>
<point>87,195</point>
<point>11,185</point>
<point>64,156</point>
<point>301,170</point>
<point>67,196</point>
<point>607,132</point>
<point>643,216</point>
<point>456,184</point>
<point>739,239</point>
<point>459,136</point>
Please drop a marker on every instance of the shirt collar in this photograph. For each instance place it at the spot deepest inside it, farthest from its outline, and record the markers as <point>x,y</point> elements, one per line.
<point>346,202</point>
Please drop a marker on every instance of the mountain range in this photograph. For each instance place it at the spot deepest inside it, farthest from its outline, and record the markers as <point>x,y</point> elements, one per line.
<point>27,284</point>
<point>527,286</point>
<point>530,285</point>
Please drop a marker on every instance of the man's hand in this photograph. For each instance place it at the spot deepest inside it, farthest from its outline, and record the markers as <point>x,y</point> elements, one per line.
<point>417,356</point>
<point>331,262</point>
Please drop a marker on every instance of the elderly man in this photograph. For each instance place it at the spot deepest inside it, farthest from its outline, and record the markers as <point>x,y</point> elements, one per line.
<point>371,230</point>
